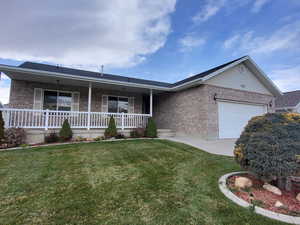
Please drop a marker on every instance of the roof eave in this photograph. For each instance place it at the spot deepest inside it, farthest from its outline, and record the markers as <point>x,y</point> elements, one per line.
<point>269,83</point>
<point>266,80</point>
<point>10,69</point>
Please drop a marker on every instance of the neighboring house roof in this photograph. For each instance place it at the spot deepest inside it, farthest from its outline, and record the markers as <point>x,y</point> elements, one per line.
<point>288,100</point>
<point>76,74</point>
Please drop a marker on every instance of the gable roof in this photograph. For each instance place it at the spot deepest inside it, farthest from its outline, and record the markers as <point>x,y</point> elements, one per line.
<point>45,70</point>
<point>85,73</point>
<point>207,72</point>
<point>288,99</point>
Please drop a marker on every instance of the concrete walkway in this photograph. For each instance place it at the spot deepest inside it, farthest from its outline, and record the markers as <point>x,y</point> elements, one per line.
<point>219,147</point>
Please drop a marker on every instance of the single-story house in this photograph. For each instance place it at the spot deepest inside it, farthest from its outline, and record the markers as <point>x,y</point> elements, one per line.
<point>288,102</point>
<point>213,104</point>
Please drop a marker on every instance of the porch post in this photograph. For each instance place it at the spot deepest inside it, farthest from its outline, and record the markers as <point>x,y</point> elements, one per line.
<point>151,102</point>
<point>89,105</point>
<point>47,119</point>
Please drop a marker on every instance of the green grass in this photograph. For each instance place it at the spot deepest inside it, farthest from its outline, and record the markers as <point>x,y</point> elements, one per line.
<point>128,182</point>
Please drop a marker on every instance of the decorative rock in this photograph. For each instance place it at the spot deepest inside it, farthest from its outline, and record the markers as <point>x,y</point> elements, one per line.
<point>298,197</point>
<point>278,204</point>
<point>242,182</point>
<point>273,189</point>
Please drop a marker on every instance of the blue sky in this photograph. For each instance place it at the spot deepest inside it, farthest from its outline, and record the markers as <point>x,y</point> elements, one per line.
<point>164,40</point>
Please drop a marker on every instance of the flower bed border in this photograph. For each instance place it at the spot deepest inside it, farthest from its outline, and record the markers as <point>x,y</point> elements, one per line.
<point>273,215</point>
<point>71,143</point>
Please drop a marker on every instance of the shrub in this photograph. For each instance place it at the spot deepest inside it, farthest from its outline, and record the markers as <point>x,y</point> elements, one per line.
<point>1,128</point>
<point>65,132</point>
<point>51,138</point>
<point>269,147</point>
<point>137,132</point>
<point>111,130</point>
<point>151,130</point>
<point>15,136</point>
<point>99,138</point>
<point>80,138</point>
<point>120,136</point>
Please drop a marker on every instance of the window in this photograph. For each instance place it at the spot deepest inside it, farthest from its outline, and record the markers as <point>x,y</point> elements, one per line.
<point>56,100</point>
<point>117,104</point>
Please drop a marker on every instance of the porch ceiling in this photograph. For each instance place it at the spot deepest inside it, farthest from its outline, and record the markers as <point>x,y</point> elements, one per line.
<point>73,82</point>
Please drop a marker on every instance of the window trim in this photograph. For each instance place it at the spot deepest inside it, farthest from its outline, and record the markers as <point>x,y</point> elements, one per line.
<point>118,96</point>
<point>57,94</point>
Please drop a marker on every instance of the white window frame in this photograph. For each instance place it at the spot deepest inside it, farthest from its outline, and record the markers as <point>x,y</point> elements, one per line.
<point>116,96</point>
<point>57,93</point>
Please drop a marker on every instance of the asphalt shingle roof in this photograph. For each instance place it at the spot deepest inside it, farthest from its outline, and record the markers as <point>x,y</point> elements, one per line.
<point>85,73</point>
<point>288,99</point>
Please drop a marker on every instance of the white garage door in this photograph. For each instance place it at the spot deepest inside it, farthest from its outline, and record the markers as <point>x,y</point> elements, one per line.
<point>233,117</point>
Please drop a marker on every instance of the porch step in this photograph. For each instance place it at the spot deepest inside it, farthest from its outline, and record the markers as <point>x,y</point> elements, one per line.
<point>165,133</point>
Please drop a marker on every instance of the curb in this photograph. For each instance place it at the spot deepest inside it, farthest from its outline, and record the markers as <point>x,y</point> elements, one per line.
<point>258,210</point>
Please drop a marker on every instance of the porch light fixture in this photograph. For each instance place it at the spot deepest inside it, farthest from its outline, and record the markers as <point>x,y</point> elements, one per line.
<point>271,103</point>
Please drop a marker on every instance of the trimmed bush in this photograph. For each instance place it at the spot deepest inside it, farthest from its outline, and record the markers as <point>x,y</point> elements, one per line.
<point>270,147</point>
<point>111,130</point>
<point>120,136</point>
<point>65,133</point>
<point>1,128</point>
<point>51,138</point>
<point>151,130</point>
<point>15,136</point>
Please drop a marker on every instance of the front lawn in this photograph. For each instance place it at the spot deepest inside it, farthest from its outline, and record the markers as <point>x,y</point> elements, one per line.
<point>128,182</point>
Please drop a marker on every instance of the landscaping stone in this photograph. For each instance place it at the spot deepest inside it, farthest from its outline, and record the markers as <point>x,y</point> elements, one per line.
<point>273,189</point>
<point>278,204</point>
<point>243,182</point>
<point>298,197</point>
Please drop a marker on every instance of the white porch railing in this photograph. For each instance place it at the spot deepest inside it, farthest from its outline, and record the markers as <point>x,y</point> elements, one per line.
<point>45,119</point>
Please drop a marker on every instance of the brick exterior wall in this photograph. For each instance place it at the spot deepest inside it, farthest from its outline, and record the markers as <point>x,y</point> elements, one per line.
<point>183,112</point>
<point>22,94</point>
<point>194,111</point>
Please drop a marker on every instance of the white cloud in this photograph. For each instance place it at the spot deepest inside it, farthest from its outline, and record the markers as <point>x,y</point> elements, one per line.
<point>285,38</point>
<point>287,79</point>
<point>190,41</point>
<point>88,33</point>
<point>209,9</point>
<point>258,5</point>
<point>4,92</point>
<point>3,77</point>
<point>229,43</point>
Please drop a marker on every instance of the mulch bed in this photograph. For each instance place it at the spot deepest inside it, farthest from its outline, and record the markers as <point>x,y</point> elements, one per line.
<point>264,198</point>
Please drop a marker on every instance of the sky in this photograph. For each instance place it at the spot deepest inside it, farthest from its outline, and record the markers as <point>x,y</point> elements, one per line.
<point>164,40</point>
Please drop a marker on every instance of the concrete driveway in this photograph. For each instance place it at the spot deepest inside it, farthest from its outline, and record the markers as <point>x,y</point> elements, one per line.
<point>219,147</point>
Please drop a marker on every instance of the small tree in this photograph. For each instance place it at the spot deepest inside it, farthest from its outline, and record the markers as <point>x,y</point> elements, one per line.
<point>1,128</point>
<point>151,130</point>
<point>111,130</point>
<point>65,132</point>
<point>270,147</point>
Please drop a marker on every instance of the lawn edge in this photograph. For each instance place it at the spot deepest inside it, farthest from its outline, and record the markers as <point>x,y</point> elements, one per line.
<point>73,143</point>
<point>276,216</point>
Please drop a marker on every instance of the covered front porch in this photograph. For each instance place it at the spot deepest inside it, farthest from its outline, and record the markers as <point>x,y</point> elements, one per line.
<point>53,119</point>
<point>43,100</point>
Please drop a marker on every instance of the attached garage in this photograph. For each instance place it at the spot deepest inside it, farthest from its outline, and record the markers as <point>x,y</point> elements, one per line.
<point>233,117</point>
